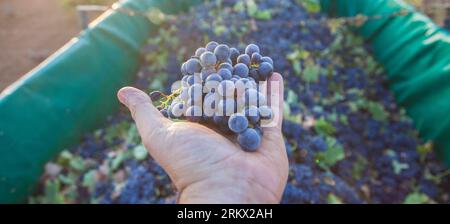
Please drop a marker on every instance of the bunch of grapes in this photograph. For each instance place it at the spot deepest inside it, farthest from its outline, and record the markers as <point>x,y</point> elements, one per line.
<point>221,88</point>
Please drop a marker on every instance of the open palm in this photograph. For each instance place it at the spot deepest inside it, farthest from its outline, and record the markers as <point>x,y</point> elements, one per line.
<point>205,166</point>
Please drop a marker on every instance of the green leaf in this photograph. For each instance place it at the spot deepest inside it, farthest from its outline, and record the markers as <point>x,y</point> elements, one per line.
<point>140,152</point>
<point>52,192</point>
<point>417,198</point>
<point>424,149</point>
<point>239,6</point>
<point>286,109</point>
<point>263,15</point>
<point>377,110</point>
<point>358,167</point>
<point>334,153</point>
<point>254,12</point>
<point>311,72</point>
<point>312,6</point>
<point>297,67</point>
<point>120,158</point>
<point>292,98</point>
<point>252,8</point>
<point>156,16</point>
<point>219,29</point>
<point>333,199</point>
<point>64,158</point>
<point>67,179</point>
<point>132,136</point>
<point>116,131</point>
<point>77,164</point>
<point>323,127</point>
<point>90,180</point>
<point>343,119</point>
<point>436,178</point>
<point>398,166</point>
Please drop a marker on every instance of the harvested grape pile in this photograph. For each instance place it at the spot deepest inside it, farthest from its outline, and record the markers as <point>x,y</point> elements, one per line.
<point>347,140</point>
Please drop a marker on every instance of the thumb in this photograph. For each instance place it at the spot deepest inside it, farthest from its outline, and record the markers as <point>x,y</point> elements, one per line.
<point>149,121</point>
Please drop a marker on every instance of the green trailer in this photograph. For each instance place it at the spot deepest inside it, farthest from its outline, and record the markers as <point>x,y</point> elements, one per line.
<point>53,105</point>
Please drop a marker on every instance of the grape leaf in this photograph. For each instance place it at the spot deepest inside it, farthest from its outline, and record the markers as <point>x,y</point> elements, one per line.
<point>311,72</point>
<point>417,198</point>
<point>89,180</point>
<point>312,6</point>
<point>52,192</point>
<point>263,15</point>
<point>118,160</point>
<point>334,153</point>
<point>333,199</point>
<point>398,166</point>
<point>377,110</point>
<point>325,128</point>
<point>297,67</point>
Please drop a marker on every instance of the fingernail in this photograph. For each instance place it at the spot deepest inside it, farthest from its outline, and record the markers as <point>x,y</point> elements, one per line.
<point>123,96</point>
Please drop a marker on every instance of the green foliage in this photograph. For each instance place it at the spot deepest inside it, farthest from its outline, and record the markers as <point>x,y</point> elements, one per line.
<point>358,167</point>
<point>424,150</point>
<point>312,6</point>
<point>90,180</point>
<point>116,131</point>
<point>120,158</point>
<point>377,110</point>
<point>334,153</point>
<point>417,198</point>
<point>333,199</point>
<point>295,57</point>
<point>132,135</point>
<point>436,178</point>
<point>311,72</point>
<point>52,192</point>
<point>252,10</point>
<point>324,127</point>
<point>399,167</point>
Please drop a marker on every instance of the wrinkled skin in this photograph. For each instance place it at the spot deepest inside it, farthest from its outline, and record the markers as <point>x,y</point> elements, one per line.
<point>205,166</point>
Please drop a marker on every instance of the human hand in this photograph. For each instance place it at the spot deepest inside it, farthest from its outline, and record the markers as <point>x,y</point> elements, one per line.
<point>205,166</point>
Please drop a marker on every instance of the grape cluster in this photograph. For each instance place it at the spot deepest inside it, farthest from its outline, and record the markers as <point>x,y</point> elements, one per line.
<point>221,88</point>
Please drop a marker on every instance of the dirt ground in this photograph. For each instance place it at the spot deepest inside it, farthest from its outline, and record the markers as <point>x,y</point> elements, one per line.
<point>30,31</point>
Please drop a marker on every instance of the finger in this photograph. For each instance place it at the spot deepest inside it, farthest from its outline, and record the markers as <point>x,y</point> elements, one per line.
<point>149,121</point>
<point>275,93</point>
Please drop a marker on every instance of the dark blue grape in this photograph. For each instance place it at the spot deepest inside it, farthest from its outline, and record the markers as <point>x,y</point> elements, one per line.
<point>199,52</point>
<point>164,113</point>
<point>225,74</point>
<point>193,66</point>
<point>256,58</point>
<point>241,70</point>
<point>234,54</point>
<point>267,59</point>
<point>265,70</point>
<point>251,48</point>
<point>208,59</point>
<point>244,59</point>
<point>222,53</point>
<point>226,65</point>
<point>237,123</point>
<point>249,140</point>
<point>252,114</point>
<point>211,46</point>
